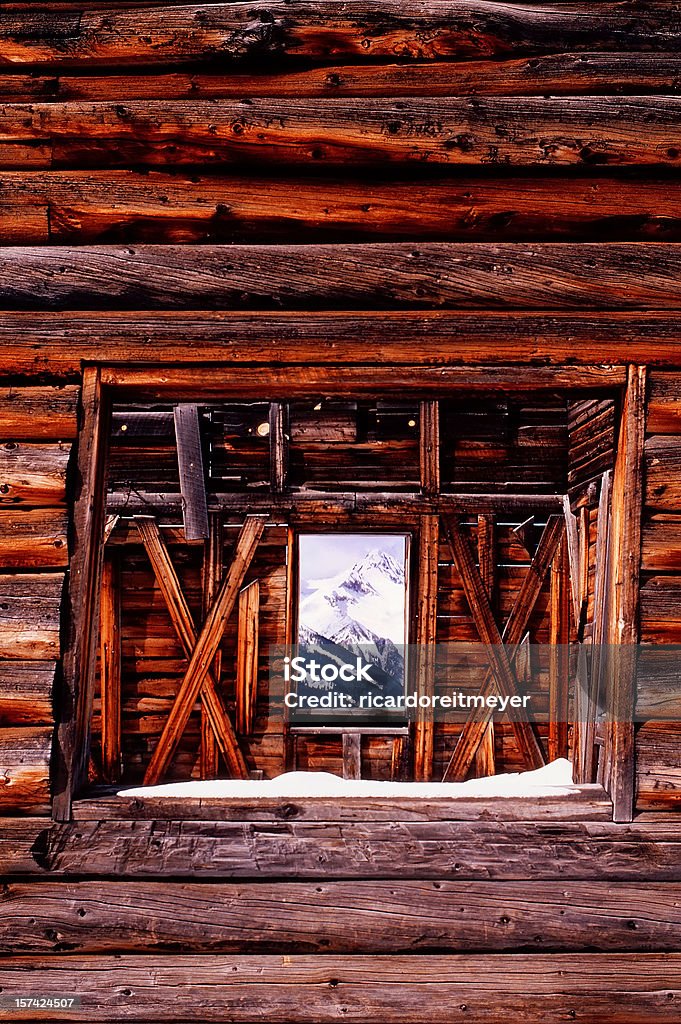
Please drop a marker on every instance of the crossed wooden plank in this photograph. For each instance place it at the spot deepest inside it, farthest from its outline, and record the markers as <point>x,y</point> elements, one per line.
<point>200,651</point>
<point>501,662</point>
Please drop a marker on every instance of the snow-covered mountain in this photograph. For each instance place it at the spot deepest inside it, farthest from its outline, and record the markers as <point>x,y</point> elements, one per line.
<point>360,611</point>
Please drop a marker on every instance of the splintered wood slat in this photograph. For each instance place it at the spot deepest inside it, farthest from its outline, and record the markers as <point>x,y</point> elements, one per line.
<point>513,632</point>
<point>485,754</point>
<point>559,636</point>
<point>429,447</point>
<point>206,647</point>
<point>500,662</point>
<point>426,632</point>
<point>211,576</point>
<point>572,540</point>
<point>182,621</point>
<point>279,443</point>
<point>585,757</point>
<point>627,507</point>
<point>247,658</point>
<point>110,668</point>
<point>192,478</point>
<point>352,755</point>
<point>73,734</point>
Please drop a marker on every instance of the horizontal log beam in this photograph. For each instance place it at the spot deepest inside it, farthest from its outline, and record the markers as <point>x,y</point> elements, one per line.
<point>325,850</point>
<point>24,769</point>
<point>298,917</point>
<point>320,506</point>
<point>129,206</point>
<point>229,32</point>
<point>569,74</point>
<point>30,607</point>
<point>380,275</point>
<point>353,381</point>
<point>473,131</point>
<point>59,342</point>
<point>587,803</point>
<point>33,538</point>
<point>38,413</point>
<point>301,989</point>
<point>33,474</point>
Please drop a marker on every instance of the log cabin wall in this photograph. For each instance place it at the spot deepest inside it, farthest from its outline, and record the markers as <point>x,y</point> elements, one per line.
<point>439,189</point>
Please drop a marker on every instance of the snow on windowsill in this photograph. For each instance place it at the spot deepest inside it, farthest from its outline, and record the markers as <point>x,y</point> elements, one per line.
<point>553,780</point>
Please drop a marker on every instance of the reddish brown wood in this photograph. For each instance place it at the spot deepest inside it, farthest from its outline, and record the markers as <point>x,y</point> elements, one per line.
<point>426,632</point>
<point>183,624</point>
<point>206,647</point>
<point>110,668</point>
<point>75,710</point>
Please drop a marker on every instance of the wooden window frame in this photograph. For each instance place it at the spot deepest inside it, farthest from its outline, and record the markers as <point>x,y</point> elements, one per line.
<point>224,381</point>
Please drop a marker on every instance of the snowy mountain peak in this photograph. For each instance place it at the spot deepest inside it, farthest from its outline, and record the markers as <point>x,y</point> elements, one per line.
<point>377,561</point>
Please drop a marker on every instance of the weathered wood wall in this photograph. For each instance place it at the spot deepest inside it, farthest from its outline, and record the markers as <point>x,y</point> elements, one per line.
<point>432,185</point>
<point>37,427</point>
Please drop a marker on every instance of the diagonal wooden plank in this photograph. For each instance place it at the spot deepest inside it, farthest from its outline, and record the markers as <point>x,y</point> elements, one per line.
<point>211,574</point>
<point>485,754</point>
<point>206,647</point>
<point>190,463</point>
<point>516,625</point>
<point>183,623</point>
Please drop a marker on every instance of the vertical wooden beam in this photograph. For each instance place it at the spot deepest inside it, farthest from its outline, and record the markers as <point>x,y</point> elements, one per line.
<point>584,526</point>
<point>559,637</point>
<point>211,577</point>
<point>429,447</point>
<point>206,648</point>
<point>485,754</point>
<point>247,658</point>
<point>352,755</point>
<point>625,565</point>
<point>278,420</point>
<point>110,668</point>
<point>426,631</point>
<point>289,753</point>
<point>192,479</point>
<point>85,570</point>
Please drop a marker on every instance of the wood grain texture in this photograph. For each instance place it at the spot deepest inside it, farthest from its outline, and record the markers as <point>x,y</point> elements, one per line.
<point>664,403</point>
<point>129,207</point>
<point>33,539</point>
<point>623,627</point>
<point>38,413</point>
<point>80,644</point>
<point>33,474</point>
<point>30,616</point>
<point>337,917</point>
<point>26,692</point>
<point>393,849</point>
<point>516,131</point>
<point>81,37</point>
<point>631,987</point>
<point>658,777</point>
<point>585,73</point>
<point>24,769</point>
<point>110,675</point>
<point>426,632</point>
<point>313,338</point>
<point>663,472</point>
